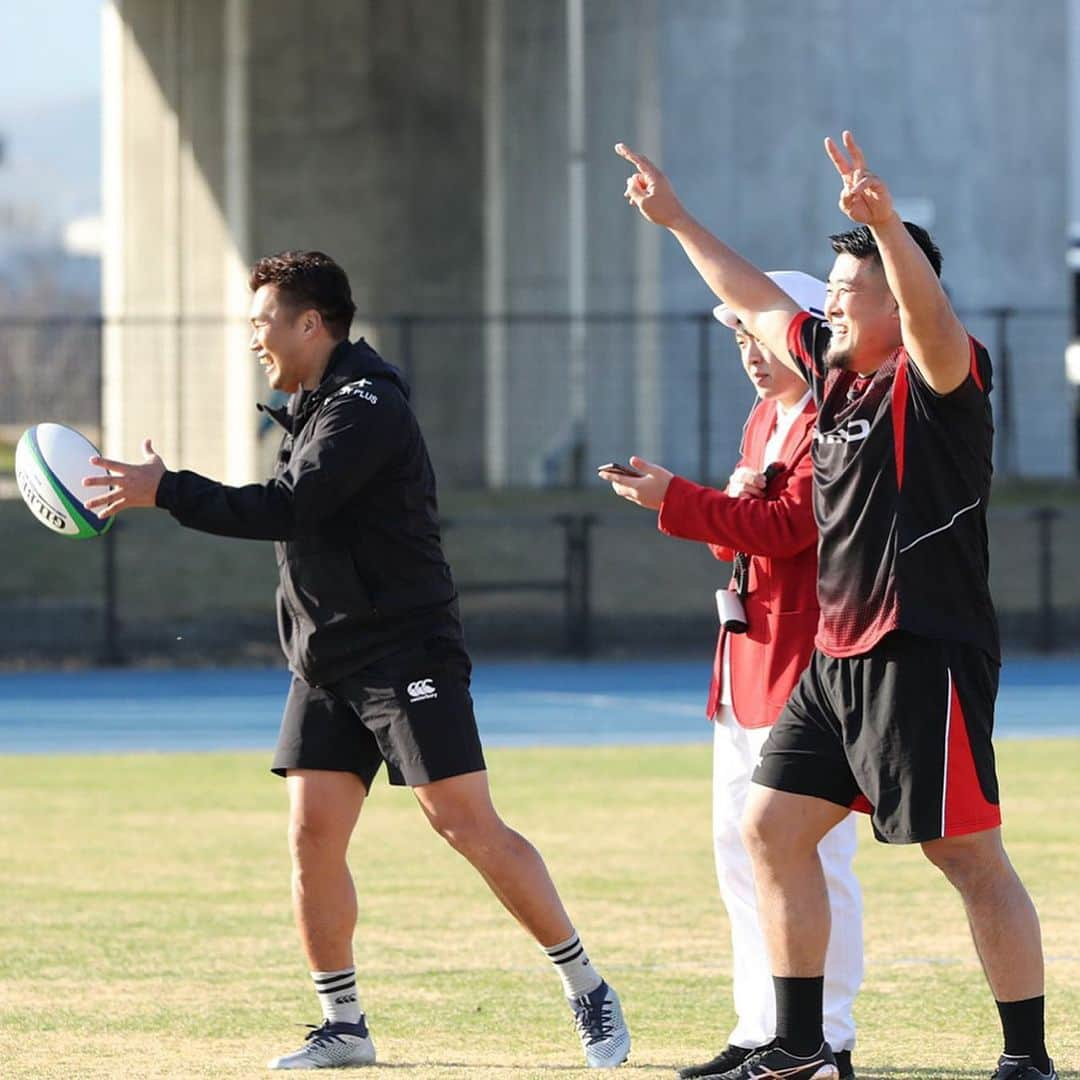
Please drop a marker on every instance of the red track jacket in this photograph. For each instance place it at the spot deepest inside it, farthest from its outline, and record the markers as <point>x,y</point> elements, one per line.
<point>779,533</point>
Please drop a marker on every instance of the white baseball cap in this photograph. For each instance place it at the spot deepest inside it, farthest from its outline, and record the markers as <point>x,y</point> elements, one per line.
<point>806,291</point>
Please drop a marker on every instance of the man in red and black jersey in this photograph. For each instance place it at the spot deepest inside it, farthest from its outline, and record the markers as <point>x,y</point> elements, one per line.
<point>895,712</point>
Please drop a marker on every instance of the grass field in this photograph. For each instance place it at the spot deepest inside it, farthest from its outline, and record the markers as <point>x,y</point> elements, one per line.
<point>145,930</point>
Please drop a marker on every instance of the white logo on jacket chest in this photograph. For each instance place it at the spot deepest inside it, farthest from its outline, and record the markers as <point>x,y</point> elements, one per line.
<point>421,690</point>
<point>356,389</point>
<point>853,431</point>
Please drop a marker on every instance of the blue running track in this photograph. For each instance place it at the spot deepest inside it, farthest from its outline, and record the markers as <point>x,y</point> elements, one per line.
<point>517,704</point>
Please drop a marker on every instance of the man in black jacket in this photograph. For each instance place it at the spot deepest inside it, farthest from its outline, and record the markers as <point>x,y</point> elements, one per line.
<point>368,620</point>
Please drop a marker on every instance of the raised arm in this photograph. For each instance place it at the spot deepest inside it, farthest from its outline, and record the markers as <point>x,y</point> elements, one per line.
<point>934,337</point>
<point>763,307</point>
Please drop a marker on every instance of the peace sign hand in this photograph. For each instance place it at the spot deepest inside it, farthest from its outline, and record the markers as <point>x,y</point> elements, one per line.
<point>651,191</point>
<point>865,198</point>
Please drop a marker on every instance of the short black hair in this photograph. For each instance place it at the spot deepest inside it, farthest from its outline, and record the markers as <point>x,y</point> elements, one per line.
<point>860,243</point>
<point>309,279</point>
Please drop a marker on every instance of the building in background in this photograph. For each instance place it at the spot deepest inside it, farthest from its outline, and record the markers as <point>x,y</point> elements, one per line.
<point>455,156</point>
<point>50,267</point>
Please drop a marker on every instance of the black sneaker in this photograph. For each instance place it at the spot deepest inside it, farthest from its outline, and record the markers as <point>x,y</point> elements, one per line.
<point>1020,1068</point>
<point>772,1063</point>
<point>843,1063</point>
<point>727,1059</point>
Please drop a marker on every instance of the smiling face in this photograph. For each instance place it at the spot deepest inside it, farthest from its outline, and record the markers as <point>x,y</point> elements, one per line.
<point>772,380</point>
<point>279,339</point>
<point>862,313</point>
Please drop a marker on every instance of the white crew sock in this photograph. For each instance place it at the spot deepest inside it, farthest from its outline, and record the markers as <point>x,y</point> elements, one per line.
<point>571,961</point>
<point>337,995</point>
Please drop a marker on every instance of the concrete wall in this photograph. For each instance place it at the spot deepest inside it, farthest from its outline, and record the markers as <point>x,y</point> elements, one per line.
<point>366,142</point>
<point>425,144</point>
<point>960,106</point>
<point>166,233</point>
<point>954,103</point>
<point>239,129</point>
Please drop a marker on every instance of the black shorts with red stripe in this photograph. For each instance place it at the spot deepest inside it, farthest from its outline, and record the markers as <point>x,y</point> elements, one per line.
<point>902,732</point>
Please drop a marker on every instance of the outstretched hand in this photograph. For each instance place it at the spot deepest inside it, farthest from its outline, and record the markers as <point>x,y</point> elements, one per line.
<point>647,490</point>
<point>650,190</point>
<point>865,197</point>
<point>129,485</point>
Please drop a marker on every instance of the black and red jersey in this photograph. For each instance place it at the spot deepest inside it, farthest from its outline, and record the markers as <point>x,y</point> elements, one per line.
<point>901,485</point>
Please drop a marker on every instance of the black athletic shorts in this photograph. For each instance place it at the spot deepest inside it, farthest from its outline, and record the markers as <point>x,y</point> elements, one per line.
<point>901,732</point>
<point>412,710</point>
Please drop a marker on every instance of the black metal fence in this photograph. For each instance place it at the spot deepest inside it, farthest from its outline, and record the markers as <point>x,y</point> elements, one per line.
<point>570,583</point>
<point>50,369</point>
<point>667,384</point>
<point>706,396</point>
<point>542,567</point>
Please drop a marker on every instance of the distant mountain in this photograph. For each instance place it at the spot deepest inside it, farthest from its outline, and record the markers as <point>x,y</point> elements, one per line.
<point>51,168</point>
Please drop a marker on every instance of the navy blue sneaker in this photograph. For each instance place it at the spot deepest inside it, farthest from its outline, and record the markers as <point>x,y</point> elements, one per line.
<point>599,1021</point>
<point>331,1046</point>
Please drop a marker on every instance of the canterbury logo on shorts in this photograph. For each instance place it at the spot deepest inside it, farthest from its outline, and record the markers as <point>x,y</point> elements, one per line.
<point>421,690</point>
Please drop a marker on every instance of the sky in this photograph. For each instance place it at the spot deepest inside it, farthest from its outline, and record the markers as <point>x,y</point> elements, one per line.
<point>49,52</point>
<point>50,119</point>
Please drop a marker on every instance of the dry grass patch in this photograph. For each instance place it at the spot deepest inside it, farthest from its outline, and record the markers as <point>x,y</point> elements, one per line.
<point>145,927</point>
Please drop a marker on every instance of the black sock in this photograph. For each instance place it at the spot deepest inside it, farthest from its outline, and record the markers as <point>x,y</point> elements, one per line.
<point>798,1014</point>
<point>1025,1034</point>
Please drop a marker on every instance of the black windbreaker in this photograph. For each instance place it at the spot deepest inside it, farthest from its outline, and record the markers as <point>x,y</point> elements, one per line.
<point>352,510</point>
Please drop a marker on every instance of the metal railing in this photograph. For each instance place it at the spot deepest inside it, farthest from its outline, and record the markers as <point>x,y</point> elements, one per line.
<point>52,369</point>
<point>572,584</point>
<point>59,600</point>
<point>707,341</point>
<point>583,616</point>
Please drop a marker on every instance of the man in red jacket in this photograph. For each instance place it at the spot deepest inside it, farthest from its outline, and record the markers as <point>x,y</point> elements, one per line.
<point>764,524</point>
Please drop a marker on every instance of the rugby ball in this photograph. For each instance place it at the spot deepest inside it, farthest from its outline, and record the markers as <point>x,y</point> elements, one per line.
<point>50,463</point>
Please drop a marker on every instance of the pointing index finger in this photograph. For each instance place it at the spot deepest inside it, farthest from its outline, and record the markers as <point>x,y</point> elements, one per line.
<point>639,161</point>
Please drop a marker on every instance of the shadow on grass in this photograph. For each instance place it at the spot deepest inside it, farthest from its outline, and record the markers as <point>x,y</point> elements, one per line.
<point>898,1072</point>
<point>902,1072</point>
<point>510,1070</point>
